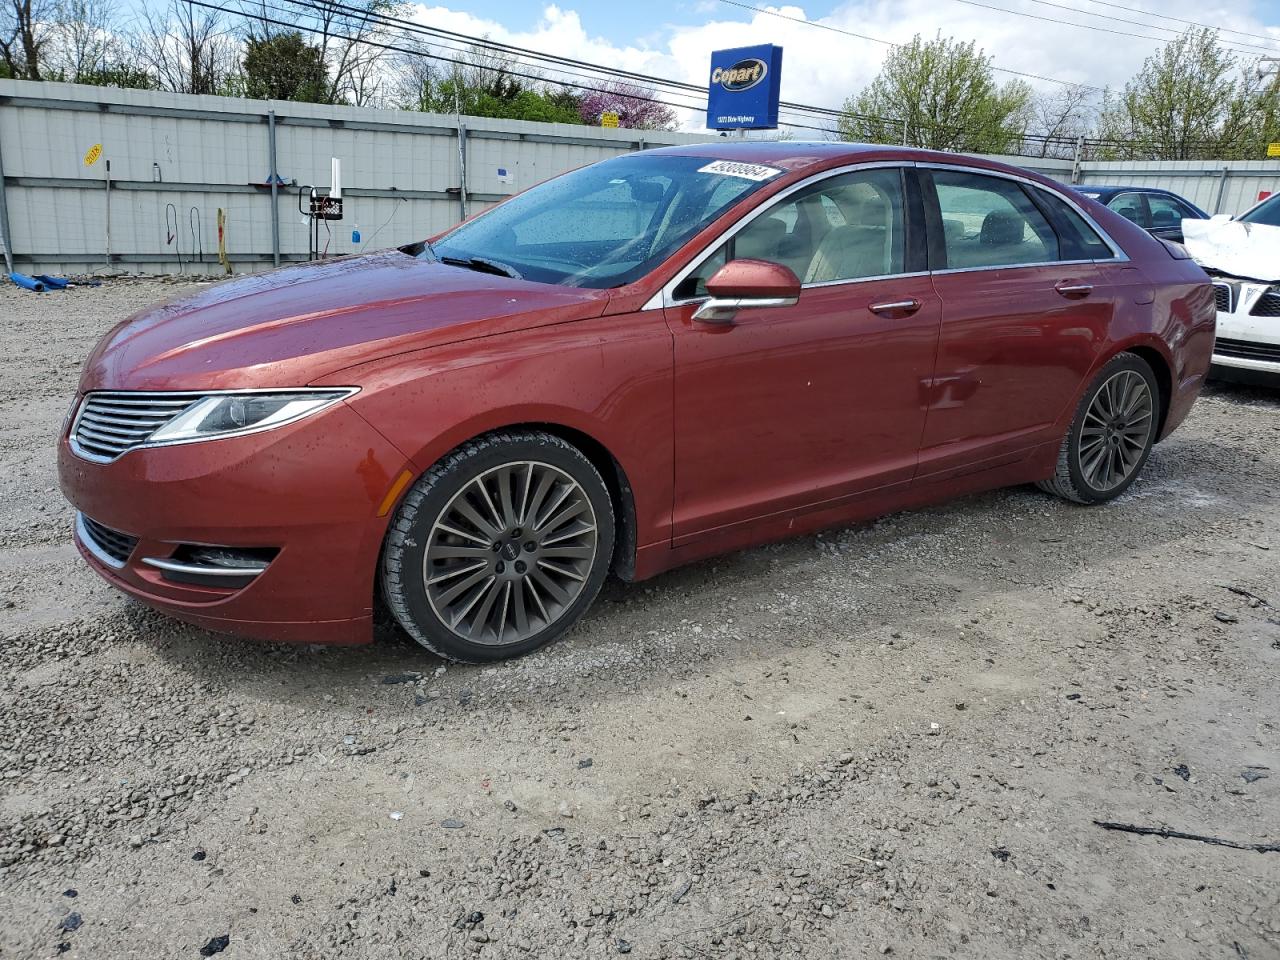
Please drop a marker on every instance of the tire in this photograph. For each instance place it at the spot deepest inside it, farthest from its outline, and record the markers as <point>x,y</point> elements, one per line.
<point>1102,455</point>
<point>499,548</point>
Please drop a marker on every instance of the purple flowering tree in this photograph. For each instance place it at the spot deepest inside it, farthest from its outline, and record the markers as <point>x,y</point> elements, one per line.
<point>636,107</point>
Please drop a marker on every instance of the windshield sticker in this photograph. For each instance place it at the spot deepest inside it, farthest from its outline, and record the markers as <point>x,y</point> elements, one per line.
<point>747,171</point>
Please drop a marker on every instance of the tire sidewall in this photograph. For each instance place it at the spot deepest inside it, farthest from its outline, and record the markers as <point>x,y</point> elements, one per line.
<point>440,484</point>
<point>1125,361</point>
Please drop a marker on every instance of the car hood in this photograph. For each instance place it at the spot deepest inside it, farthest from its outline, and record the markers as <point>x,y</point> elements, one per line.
<point>1250,251</point>
<point>291,326</point>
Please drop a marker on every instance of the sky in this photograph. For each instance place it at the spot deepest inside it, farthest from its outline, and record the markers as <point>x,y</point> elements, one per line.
<point>674,38</point>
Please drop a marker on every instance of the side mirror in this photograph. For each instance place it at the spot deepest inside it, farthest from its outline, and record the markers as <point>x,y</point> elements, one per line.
<point>1221,218</point>
<point>744,284</point>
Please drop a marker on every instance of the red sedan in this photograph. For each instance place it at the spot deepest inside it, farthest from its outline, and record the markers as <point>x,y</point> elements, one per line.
<point>653,359</point>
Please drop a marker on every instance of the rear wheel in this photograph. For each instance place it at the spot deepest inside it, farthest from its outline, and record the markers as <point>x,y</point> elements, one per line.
<point>499,548</point>
<point>1112,433</point>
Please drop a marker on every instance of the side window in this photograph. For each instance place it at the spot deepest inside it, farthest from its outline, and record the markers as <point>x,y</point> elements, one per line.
<point>990,221</point>
<point>1129,206</point>
<point>847,227</point>
<point>1165,211</point>
<point>1079,240</point>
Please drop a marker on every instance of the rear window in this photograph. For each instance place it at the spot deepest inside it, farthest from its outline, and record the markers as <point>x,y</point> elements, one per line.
<point>1079,240</point>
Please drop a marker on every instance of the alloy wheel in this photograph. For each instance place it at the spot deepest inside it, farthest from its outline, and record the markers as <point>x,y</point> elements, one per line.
<point>510,553</point>
<point>1116,430</point>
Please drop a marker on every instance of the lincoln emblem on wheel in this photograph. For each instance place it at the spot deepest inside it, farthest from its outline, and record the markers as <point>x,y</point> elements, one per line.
<point>651,360</point>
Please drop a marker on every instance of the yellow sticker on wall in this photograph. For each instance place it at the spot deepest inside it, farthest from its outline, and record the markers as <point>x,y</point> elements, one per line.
<point>92,156</point>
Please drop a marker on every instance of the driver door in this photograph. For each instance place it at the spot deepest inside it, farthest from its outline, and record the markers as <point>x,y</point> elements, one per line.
<point>789,407</point>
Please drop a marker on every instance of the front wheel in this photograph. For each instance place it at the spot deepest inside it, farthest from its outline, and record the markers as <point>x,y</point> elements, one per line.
<point>499,548</point>
<point>1112,433</point>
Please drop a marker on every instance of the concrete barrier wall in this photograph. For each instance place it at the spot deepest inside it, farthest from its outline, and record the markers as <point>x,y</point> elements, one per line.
<point>177,159</point>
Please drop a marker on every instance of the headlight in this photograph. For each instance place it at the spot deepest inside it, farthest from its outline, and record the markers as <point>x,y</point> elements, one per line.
<point>231,414</point>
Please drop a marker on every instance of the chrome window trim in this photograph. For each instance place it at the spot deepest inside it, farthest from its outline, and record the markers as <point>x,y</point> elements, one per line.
<point>199,395</point>
<point>665,297</point>
<point>1016,266</point>
<point>87,541</point>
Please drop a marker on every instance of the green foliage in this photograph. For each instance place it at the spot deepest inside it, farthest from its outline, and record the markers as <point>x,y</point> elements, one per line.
<point>284,66</point>
<point>945,92</point>
<point>1192,99</point>
<point>491,93</point>
<point>120,75</point>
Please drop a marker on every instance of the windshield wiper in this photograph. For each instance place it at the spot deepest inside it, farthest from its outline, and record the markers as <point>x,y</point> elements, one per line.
<point>481,265</point>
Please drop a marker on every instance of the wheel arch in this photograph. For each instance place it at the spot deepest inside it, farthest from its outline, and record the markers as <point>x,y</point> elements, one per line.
<point>626,534</point>
<point>1159,365</point>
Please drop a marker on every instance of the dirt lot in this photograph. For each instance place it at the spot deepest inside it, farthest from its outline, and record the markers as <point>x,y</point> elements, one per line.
<point>890,739</point>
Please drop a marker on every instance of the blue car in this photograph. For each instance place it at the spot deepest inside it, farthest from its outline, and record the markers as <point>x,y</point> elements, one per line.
<point>1159,212</point>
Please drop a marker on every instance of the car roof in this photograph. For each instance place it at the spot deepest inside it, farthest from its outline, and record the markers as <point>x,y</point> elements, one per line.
<point>793,155</point>
<point>1094,188</point>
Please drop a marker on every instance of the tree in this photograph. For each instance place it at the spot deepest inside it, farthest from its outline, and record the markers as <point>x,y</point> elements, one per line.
<point>345,33</point>
<point>187,48</point>
<point>25,26</point>
<point>1190,100</point>
<point>82,40</point>
<point>1059,118</point>
<point>944,92</point>
<point>283,66</point>
<point>481,85</point>
<point>635,106</point>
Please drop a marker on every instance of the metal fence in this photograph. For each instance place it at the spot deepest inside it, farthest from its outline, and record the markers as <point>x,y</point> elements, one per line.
<point>176,161</point>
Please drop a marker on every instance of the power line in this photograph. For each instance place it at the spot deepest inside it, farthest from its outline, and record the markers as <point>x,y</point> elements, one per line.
<point>575,67</point>
<point>890,43</point>
<point>420,52</point>
<point>1191,23</point>
<point>1088,26</point>
<point>681,88</point>
<point>685,89</point>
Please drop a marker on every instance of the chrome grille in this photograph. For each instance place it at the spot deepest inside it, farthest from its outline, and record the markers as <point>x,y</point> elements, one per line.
<point>111,423</point>
<point>112,546</point>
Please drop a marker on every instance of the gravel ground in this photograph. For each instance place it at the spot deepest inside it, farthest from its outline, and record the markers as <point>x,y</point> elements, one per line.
<point>889,739</point>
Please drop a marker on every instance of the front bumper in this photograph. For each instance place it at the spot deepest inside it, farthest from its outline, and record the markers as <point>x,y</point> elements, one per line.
<point>311,491</point>
<point>1248,339</point>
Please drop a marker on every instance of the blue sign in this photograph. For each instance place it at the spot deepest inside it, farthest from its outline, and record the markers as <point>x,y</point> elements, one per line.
<point>745,85</point>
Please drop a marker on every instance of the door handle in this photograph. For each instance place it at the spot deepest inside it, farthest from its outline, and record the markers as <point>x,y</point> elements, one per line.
<point>903,307</point>
<point>1073,289</point>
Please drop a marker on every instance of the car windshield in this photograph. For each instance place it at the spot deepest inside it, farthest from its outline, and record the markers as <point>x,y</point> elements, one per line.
<point>1267,213</point>
<point>604,225</point>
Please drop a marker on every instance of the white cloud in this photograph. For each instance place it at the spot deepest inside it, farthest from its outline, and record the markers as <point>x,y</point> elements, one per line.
<point>822,67</point>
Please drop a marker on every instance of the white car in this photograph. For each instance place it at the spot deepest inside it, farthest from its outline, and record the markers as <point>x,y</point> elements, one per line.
<point>1242,256</point>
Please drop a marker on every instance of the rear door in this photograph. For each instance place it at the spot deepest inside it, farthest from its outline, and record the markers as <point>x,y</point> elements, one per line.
<point>792,406</point>
<point>1024,311</point>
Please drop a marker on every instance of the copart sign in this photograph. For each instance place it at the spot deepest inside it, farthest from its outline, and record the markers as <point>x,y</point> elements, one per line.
<point>744,88</point>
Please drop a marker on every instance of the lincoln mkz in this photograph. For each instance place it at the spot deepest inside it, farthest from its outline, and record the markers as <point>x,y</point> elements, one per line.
<point>643,362</point>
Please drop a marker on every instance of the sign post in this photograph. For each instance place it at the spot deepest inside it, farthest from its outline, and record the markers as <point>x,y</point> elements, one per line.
<point>744,88</point>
